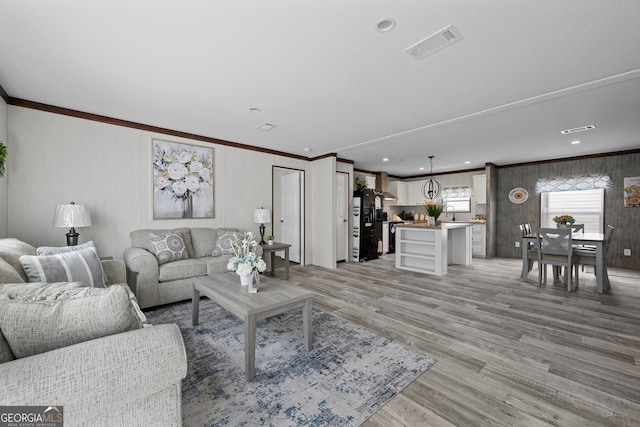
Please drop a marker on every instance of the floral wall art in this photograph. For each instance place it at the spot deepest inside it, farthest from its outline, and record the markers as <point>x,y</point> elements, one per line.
<point>182,181</point>
<point>632,192</point>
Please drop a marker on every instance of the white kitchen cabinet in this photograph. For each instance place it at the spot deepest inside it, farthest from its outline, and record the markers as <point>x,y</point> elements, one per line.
<point>371,181</point>
<point>414,193</point>
<point>478,240</point>
<point>399,189</point>
<point>385,237</point>
<point>480,189</point>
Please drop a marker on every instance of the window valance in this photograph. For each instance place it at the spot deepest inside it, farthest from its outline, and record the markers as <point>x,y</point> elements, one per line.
<point>572,183</point>
<point>449,192</point>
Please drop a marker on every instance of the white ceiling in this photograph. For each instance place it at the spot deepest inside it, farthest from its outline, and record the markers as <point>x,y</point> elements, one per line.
<point>321,72</point>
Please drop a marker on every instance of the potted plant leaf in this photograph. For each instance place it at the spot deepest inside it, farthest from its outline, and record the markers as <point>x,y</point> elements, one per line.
<point>433,208</point>
<point>3,157</point>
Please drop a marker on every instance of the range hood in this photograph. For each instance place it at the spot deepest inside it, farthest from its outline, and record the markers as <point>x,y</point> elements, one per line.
<point>381,185</point>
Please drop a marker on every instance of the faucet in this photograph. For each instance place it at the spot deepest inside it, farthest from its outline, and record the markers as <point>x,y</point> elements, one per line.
<point>446,212</point>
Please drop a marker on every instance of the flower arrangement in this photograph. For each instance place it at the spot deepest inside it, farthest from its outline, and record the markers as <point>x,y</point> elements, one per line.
<point>563,219</point>
<point>433,208</point>
<point>244,260</point>
<point>179,171</point>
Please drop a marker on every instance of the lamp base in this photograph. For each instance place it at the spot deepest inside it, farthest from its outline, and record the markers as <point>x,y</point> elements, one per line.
<point>262,227</point>
<point>72,237</point>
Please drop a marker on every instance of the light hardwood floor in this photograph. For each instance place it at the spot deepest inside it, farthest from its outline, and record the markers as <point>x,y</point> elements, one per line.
<point>509,353</point>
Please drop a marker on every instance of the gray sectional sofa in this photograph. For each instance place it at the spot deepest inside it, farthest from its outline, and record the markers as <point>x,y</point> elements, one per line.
<point>85,348</point>
<point>156,281</point>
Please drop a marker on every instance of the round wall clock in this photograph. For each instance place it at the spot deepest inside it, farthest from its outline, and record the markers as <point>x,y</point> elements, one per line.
<point>518,195</point>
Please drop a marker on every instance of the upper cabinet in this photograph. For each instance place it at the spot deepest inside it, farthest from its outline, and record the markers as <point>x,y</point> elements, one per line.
<point>399,189</point>
<point>480,189</point>
<point>371,182</point>
<point>414,193</point>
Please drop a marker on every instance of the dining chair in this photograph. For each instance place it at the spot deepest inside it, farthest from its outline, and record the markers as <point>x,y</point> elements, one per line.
<point>586,255</point>
<point>532,250</point>
<point>555,249</point>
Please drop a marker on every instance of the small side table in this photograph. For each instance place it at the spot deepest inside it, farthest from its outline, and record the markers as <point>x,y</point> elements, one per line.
<point>272,249</point>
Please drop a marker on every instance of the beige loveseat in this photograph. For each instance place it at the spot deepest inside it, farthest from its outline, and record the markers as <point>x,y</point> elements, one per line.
<point>156,283</point>
<point>105,369</point>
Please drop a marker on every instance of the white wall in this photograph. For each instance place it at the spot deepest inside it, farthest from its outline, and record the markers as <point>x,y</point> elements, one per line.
<point>322,216</point>
<point>58,159</point>
<point>4,212</point>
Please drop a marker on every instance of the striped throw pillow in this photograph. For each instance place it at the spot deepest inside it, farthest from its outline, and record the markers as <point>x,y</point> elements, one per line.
<point>78,266</point>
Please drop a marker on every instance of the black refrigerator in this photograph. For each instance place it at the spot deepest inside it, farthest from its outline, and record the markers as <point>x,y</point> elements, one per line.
<point>367,225</point>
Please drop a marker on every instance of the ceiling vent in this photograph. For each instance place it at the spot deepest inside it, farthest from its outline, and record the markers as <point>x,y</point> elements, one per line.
<point>580,129</point>
<point>435,42</point>
<point>266,127</point>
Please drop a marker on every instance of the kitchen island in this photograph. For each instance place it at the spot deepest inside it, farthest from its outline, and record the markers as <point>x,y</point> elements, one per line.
<point>431,248</point>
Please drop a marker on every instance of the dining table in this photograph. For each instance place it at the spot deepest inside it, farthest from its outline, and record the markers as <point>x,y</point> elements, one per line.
<point>596,240</point>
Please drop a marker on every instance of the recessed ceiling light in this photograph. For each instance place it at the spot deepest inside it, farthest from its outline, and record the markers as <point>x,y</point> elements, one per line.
<point>421,169</point>
<point>254,109</point>
<point>385,160</point>
<point>307,150</point>
<point>385,25</point>
<point>467,162</point>
<point>575,142</point>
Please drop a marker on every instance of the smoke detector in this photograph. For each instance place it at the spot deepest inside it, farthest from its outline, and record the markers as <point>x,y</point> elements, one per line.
<point>579,129</point>
<point>435,42</point>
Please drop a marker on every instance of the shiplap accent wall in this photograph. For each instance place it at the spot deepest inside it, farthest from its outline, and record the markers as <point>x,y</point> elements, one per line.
<point>626,220</point>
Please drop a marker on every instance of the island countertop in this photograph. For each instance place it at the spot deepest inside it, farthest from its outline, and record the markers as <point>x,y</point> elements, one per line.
<point>452,224</point>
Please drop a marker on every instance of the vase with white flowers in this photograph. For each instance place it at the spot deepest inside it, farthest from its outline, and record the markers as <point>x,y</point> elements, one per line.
<point>245,262</point>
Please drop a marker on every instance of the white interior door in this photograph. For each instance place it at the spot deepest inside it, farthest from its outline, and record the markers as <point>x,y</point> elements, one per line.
<point>290,213</point>
<point>342,216</point>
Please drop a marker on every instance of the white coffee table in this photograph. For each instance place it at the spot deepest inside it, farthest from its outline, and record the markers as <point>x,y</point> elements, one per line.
<point>275,296</point>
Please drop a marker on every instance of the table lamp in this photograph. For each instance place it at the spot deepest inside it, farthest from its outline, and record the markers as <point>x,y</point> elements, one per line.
<point>72,215</point>
<point>262,216</point>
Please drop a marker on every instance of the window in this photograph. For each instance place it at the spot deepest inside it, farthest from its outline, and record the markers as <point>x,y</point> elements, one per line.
<point>585,206</point>
<point>458,197</point>
<point>461,204</point>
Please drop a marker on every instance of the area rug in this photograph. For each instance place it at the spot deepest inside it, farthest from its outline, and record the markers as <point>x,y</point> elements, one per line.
<point>349,374</point>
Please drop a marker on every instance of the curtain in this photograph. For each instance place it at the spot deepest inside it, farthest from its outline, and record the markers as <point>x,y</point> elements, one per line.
<point>450,192</point>
<point>588,182</point>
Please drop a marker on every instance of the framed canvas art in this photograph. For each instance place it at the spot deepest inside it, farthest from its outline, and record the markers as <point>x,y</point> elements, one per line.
<point>632,192</point>
<point>183,180</point>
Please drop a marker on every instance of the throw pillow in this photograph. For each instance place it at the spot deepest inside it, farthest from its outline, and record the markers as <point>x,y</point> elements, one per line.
<point>8,274</point>
<point>33,325</point>
<point>53,250</point>
<point>224,242</point>
<point>12,249</point>
<point>168,247</point>
<point>79,266</point>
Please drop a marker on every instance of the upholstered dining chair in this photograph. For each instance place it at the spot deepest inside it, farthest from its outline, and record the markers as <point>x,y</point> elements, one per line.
<point>587,254</point>
<point>555,249</point>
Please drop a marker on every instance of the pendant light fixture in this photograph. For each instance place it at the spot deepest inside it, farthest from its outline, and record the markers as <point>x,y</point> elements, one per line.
<point>431,188</point>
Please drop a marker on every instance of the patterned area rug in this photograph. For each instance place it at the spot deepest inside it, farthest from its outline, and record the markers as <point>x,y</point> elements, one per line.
<point>349,374</point>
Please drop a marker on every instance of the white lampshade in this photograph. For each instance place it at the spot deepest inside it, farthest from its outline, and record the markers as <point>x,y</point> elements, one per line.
<point>71,215</point>
<point>261,216</point>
